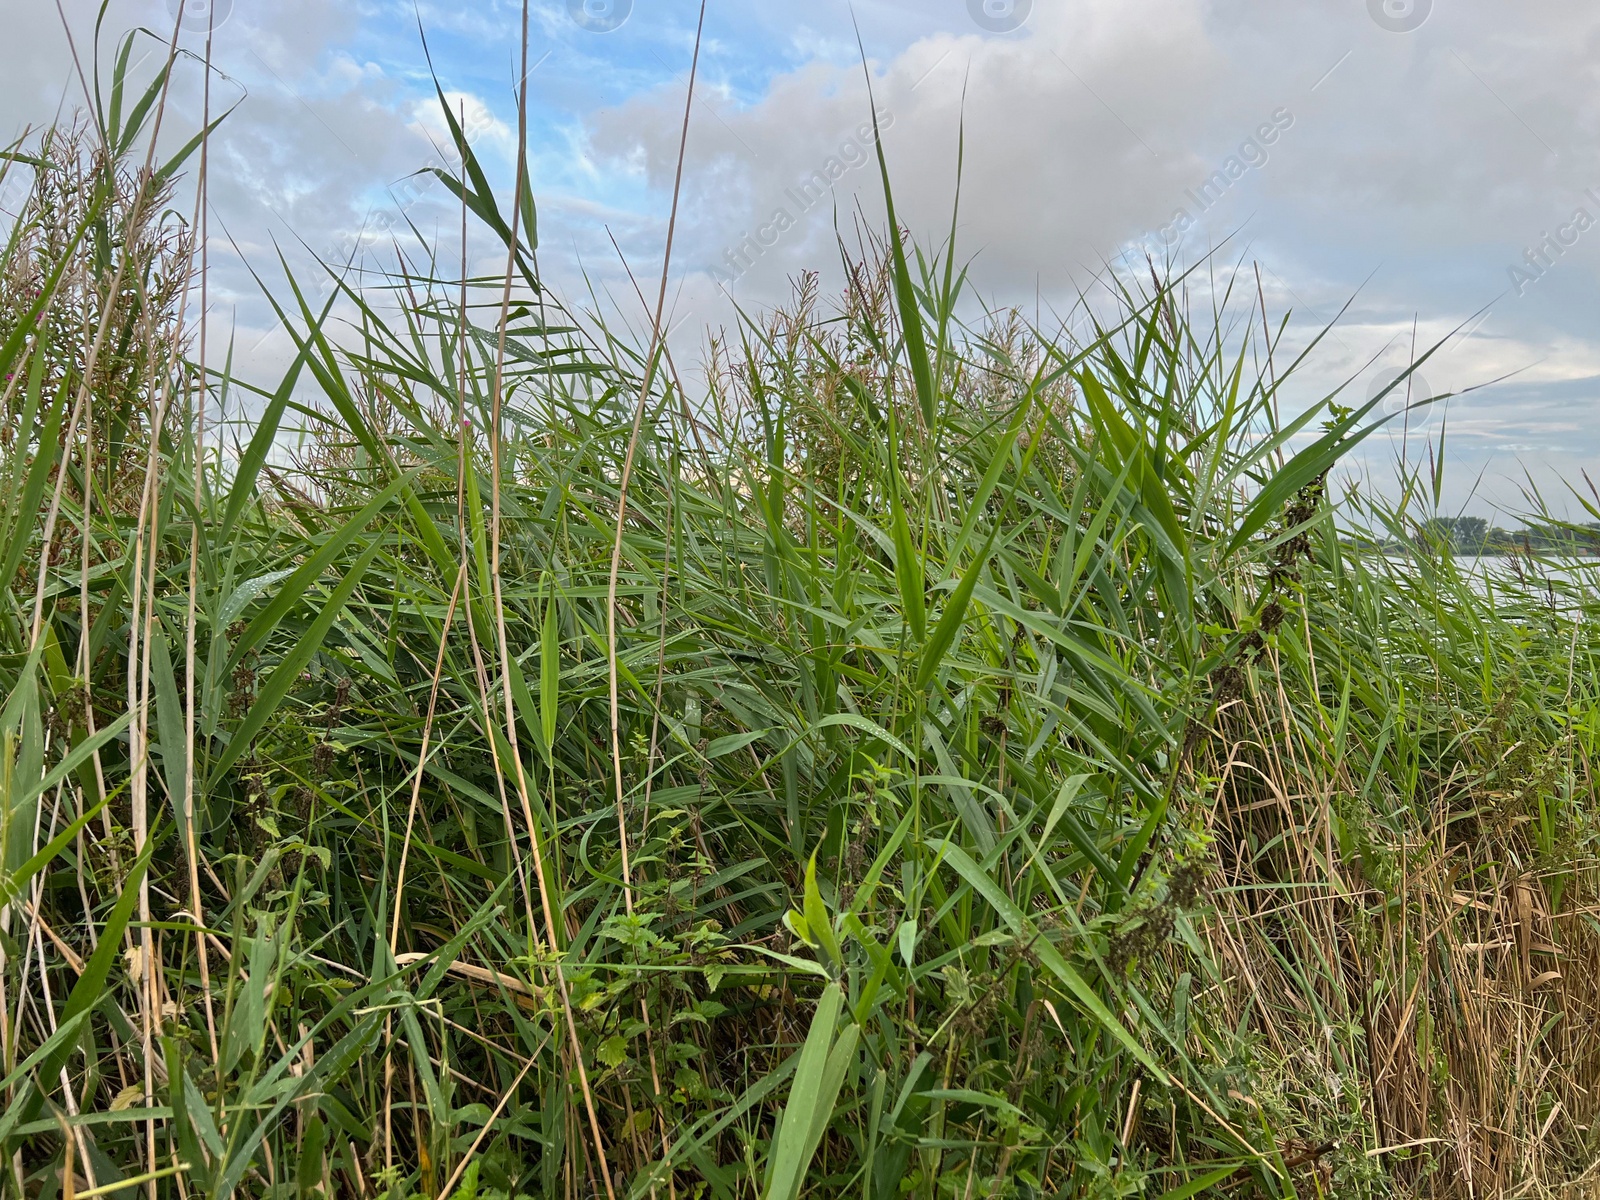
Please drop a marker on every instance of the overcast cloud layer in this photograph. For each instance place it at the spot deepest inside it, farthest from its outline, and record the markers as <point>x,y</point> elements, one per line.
<point>1435,161</point>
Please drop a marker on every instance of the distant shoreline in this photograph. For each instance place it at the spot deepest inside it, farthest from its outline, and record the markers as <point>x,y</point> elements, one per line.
<point>1474,537</point>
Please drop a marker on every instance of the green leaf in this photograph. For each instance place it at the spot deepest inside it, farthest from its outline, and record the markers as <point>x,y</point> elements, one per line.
<point>29,795</point>
<point>1045,950</point>
<point>549,670</point>
<point>950,621</point>
<point>905,294</point>
<point>1060,814</point>
<point>906,938</point>
<point>718,747</point>
<point>287,673</point>
<point>792,1140</point>
<point>90,989</point>
<point>1195,1187</point>
<point>13,885</point>
<point>19,533</point>
<point>818,922</point>
<point>908,572</point>
<point>349,529</point>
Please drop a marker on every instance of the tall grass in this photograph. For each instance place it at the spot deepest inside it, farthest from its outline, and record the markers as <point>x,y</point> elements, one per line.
<point>1027,787</point>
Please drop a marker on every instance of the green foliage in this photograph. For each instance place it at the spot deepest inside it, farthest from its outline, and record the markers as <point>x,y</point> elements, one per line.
<point>991,705</point>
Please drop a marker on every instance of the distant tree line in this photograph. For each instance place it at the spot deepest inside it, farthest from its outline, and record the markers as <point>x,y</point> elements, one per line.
<point>1475,536</point>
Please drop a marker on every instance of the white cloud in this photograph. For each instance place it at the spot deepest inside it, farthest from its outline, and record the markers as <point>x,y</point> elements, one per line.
<point>478,123</point>
<point>1418,166</point>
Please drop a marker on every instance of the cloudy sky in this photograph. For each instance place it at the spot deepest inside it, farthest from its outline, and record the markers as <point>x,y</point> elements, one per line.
<point>1432,163</point>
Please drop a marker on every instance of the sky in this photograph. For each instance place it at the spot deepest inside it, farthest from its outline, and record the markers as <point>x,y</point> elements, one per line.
<point>1427,168</point>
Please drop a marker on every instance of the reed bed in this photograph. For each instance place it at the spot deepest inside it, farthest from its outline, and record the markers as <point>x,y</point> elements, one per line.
<point>914,754</point>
